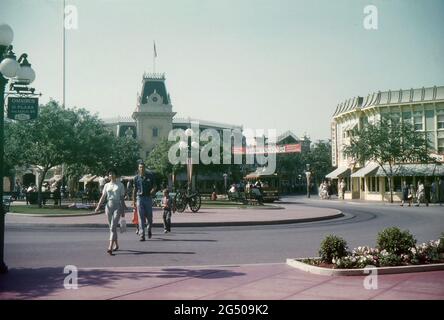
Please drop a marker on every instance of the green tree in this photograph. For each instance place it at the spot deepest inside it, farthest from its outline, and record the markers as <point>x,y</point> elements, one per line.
<point>319,159</point>
<point>158,161</point>
<point>388,142</point>
<point>46,141</point>
<point>65,136</point>
<point>124,155</point>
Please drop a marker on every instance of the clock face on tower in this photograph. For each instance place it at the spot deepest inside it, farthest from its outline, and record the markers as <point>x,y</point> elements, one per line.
<point>155,98</point>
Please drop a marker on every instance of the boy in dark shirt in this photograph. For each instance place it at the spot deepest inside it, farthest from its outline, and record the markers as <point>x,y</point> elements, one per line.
<point>167,205</point>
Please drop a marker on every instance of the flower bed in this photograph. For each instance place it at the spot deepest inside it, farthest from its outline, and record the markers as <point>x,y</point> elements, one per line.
<point>360,257</point>
<point>395,248</point>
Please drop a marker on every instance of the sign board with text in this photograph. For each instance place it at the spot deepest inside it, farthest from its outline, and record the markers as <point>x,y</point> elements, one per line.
<point>287,148</point>
<point>23,108</point>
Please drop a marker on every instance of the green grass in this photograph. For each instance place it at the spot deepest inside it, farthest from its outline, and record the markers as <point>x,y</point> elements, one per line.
<point>228,204</point>
<point>34,209</point>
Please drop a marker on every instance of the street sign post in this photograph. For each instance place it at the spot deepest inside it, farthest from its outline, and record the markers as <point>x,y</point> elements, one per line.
<point>22,108</point>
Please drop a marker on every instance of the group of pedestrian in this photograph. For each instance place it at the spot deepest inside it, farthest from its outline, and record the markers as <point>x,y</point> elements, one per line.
<point>325,190</point>
<point>423,193</point>
<point>144,188</point>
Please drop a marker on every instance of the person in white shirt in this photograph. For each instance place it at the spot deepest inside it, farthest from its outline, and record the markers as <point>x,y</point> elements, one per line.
<point>420,193</point>
<point>114,193</point>
<point>342,186</point>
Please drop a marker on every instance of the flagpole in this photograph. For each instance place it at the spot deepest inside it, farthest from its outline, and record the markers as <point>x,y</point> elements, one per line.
<point>154,56</point>
<point>64,86</point>
<point>64,56</point>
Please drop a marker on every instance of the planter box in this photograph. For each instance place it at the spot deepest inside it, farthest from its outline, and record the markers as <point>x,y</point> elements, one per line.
<point>298,264</point>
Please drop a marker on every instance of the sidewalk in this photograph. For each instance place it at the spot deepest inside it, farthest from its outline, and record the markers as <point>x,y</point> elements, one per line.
<point>316,199</point>
<point>205,217</point>
<point>236,282</point>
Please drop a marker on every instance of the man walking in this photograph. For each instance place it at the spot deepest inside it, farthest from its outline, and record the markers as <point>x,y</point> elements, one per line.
<point>441,191</point>
<point>342,186</point>
<point>420,194</point>
<point>144,187</point>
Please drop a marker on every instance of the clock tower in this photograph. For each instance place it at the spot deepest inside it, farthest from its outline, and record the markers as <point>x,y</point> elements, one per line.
<point>154,113</point>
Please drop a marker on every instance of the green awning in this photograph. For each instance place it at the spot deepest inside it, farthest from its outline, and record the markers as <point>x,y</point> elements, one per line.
<point>340,172</point>
<point>413,170</point>
<point>368,170</point>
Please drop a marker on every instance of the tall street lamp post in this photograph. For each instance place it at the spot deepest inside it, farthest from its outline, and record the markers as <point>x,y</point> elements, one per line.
<point>22,74</point>
<point>308,175</point>
<point>189,146</point>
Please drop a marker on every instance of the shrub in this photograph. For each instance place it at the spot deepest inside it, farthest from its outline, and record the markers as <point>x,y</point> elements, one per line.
<point>347,262</point>
<point>441,243</point>
<point>426,252</point>
<point>332,247</point>
<point>395,241</point>
<point>389,260</point>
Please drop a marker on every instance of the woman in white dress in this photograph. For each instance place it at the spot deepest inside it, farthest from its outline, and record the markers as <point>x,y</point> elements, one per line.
<point>114,193</point>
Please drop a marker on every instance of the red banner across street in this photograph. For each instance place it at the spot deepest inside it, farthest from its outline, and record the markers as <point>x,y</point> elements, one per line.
<point>286,148</point>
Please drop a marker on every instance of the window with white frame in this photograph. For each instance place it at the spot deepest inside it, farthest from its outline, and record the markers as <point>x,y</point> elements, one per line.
<point>440,121</point>
<point>440,145</point>
<point>419,126</point>
<point>155,132</point>
<point>373,184</point>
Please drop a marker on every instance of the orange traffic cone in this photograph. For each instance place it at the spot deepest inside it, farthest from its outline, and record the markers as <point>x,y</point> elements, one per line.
<point>135,217</point>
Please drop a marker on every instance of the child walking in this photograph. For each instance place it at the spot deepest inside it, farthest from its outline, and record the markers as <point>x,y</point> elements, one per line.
<point>167,205</point>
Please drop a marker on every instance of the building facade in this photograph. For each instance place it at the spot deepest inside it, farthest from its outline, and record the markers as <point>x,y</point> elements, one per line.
<point>422,107</point>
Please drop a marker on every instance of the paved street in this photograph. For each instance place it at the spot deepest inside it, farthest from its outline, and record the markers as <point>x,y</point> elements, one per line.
<point>85,247</point>
<point>216,262</point>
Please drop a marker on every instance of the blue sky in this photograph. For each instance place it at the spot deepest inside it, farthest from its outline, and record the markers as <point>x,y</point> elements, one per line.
<point>279,64</point>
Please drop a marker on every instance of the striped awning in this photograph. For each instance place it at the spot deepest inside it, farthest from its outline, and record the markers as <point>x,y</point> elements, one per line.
<point>340,172</point>
<point>412,170</point>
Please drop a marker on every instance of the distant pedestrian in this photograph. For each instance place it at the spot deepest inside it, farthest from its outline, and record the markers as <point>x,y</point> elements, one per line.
<point>433,192</point>
<point>329,189</point>
<point>427,192</point>
<point>441,191</point>
<point>167,205</point>
<point>342,186</point>
<point>406,195</point>
<point>114,193</point>
<point>420,193</point>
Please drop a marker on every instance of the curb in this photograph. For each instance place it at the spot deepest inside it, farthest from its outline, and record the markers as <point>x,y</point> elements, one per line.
<point>295,263</point>
<point>186,224</point>
<point>67,215</point>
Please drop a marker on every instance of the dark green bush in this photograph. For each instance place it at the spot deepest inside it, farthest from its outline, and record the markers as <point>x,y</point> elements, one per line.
<point>441,243</point>
<point>395,241</point>
<point>390,260</point>
<point>332,247</point>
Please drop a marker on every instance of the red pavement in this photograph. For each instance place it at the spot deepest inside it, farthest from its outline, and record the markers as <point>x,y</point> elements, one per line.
<point>235,282</point>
